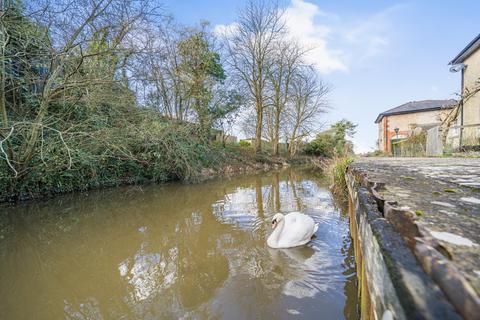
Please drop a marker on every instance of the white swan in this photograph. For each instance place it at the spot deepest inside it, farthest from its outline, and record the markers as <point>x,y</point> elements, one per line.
<point>291,230</point>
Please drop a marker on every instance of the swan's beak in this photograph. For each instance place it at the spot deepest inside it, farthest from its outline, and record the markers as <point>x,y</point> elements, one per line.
<point>274,224</point>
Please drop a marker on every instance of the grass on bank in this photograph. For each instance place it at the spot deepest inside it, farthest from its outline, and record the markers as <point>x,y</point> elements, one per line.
<point>338,168</point>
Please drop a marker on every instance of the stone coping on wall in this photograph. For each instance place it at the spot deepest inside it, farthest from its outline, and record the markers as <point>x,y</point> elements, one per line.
<point>434,204</point>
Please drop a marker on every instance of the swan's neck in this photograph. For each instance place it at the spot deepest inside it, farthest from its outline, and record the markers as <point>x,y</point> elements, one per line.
<point>275,236</point>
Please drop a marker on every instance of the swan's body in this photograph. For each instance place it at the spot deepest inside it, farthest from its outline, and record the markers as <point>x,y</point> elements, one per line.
<point>291,230</point>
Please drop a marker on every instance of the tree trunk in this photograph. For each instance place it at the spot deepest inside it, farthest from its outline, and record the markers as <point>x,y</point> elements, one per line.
<point>291,145</point>
<point>276,137</point>
<point>204,127</point>
<point>3,107</point>
<point>202,120</point>
<point>258,127</point>
<point>34,134</point>
<point>5,39</point>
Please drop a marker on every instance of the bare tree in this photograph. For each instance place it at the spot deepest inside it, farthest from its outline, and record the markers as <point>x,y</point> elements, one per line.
<point>307,103</point>
<point>268,127</point>
<point>247,122</point>
<point>158,73</point>
<point>83,44</point>
<point>452,116</point>
<point>285,63</point>
<point>250,45</point>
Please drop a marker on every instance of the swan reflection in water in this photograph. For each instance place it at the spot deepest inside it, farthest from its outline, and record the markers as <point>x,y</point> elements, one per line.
<point>299,268</point>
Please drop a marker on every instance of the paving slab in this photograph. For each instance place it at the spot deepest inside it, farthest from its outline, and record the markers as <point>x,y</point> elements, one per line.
<point>441,199</point>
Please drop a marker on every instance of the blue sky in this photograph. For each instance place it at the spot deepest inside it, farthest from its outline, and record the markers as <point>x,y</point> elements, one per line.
<point>375,54</point>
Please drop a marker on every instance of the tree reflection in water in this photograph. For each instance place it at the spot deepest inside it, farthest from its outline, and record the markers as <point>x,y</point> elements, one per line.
<point>194,251</point>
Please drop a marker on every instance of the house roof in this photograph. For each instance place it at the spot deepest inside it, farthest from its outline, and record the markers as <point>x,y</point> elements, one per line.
<point>467,51</point>
<point>418,106</point>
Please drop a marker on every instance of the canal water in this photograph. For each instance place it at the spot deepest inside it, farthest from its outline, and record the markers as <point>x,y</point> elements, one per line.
<point>177,251</point>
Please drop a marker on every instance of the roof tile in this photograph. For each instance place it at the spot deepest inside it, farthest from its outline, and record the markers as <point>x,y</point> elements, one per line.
<point>418,106</point>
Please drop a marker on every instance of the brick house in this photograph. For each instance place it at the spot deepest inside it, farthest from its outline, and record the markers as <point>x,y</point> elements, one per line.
<point>397,123</point>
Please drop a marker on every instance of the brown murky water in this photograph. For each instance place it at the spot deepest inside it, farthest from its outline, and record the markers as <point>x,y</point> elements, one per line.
<point>177,251</point>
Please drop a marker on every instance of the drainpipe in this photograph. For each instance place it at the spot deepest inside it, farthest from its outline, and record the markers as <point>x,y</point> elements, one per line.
<point>387,142</point>
<point>461,110</point>
<point>384,146</point>
<point>455,68</point>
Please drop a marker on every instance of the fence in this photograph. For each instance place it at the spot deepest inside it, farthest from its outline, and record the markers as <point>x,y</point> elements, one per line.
<point>463,138</point>
<point>432,143</point>
<point>414,146</point>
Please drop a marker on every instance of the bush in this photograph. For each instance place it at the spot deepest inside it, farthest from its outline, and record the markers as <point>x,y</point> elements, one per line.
<point>333,142</point>
<point>244,143</point>
<point>376,153</point>
<point>105,151</point>
<point>323,146</point>
<point>414,146</point>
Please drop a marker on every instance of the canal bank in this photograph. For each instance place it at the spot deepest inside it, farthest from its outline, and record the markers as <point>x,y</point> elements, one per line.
<point>235,161</point>
<point>415,228</point>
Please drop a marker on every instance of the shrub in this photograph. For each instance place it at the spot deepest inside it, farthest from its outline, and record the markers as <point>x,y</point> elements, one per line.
<point>376,153</point>
<point>105,151</point>
<point>414,146</point>
<point>244,143</point>
<point>323,145</point>
<point>333,142</point>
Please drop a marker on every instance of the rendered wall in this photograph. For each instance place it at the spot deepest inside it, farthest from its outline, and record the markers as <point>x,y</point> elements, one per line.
<point>471,107</point>
<point>405,122</point>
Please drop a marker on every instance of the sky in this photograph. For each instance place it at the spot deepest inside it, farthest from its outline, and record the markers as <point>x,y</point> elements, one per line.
<point>375,54</point>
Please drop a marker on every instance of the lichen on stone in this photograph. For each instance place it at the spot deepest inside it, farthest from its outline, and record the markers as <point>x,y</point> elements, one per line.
<point>419,213</point>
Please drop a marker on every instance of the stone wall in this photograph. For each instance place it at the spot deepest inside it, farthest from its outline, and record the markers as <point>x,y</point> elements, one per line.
<point>392,284</point>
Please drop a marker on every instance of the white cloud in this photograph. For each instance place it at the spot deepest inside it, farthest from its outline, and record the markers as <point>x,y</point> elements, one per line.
<point>224,30</point>
<point>300,18</point>
<point>335,42</point>
<point>369,36</point>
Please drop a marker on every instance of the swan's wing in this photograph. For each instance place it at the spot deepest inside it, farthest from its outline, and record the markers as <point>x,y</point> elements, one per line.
<point>298,230</point>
